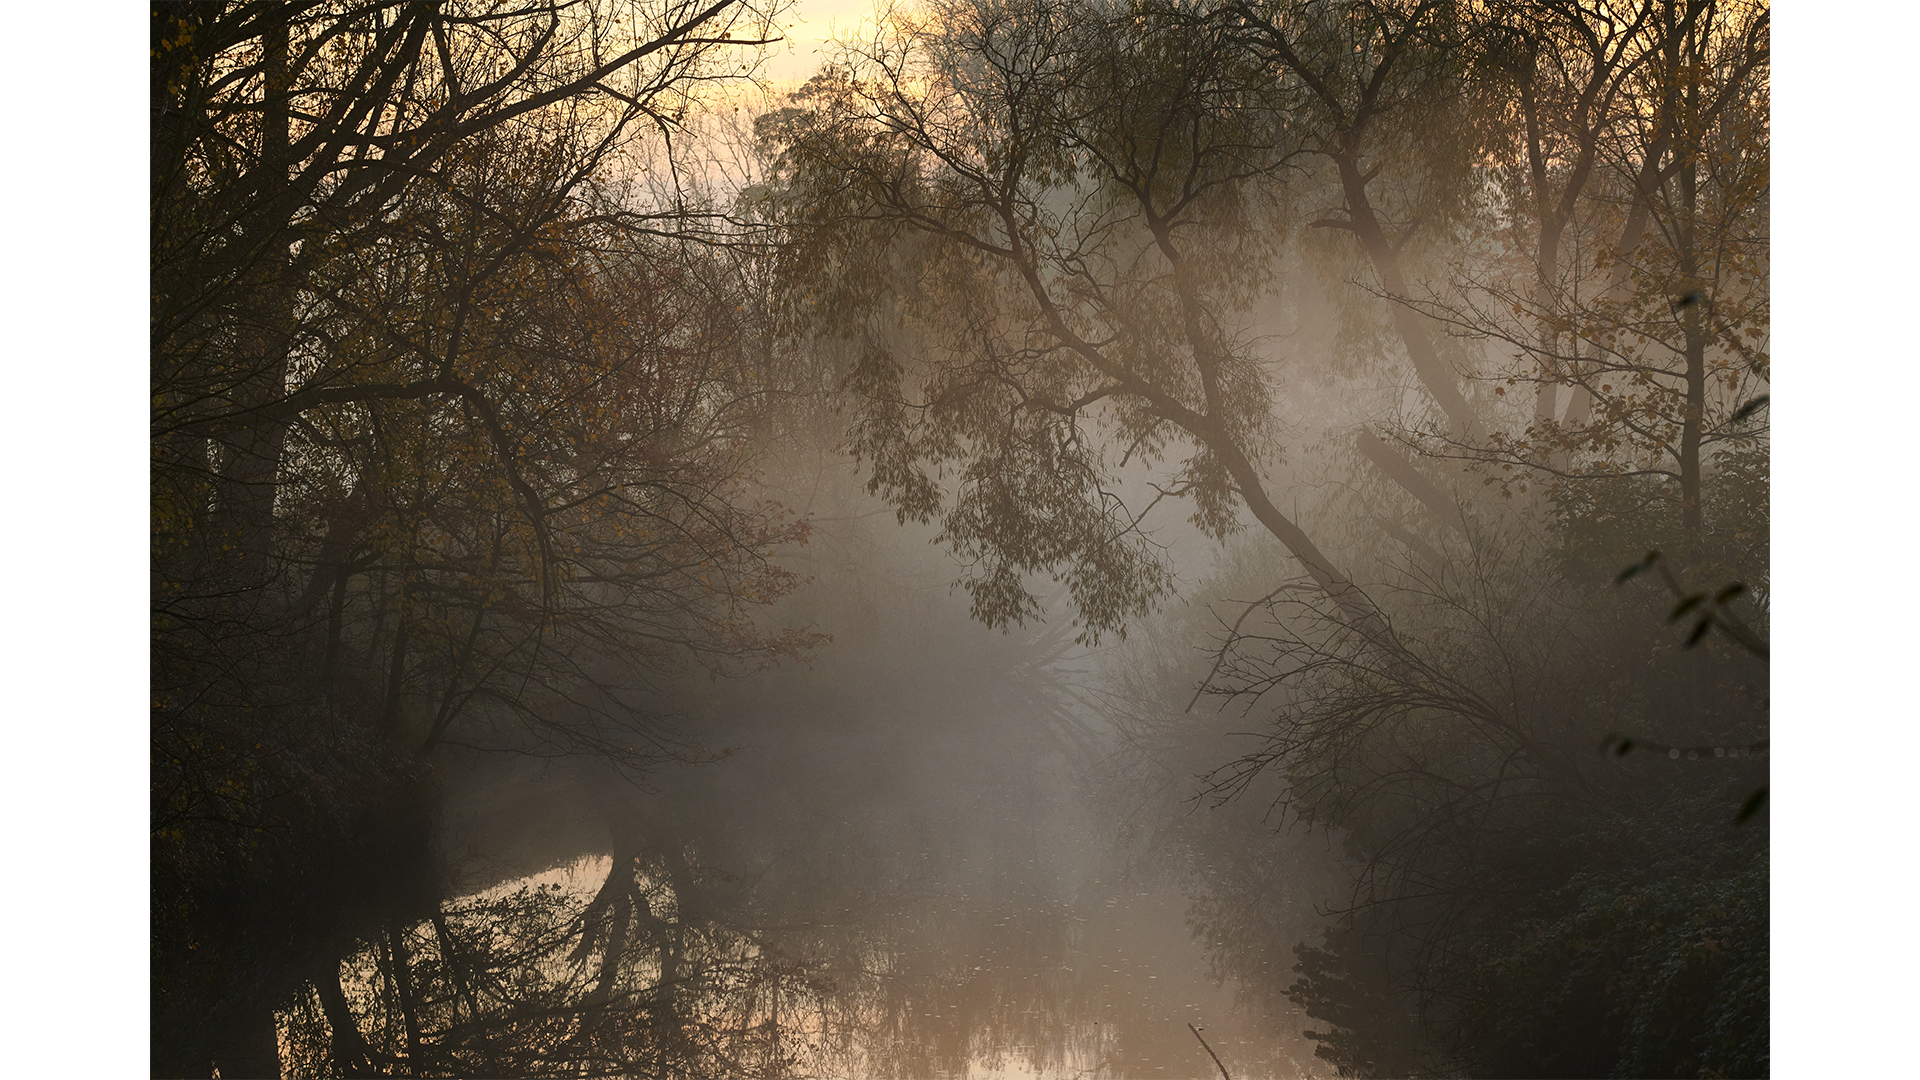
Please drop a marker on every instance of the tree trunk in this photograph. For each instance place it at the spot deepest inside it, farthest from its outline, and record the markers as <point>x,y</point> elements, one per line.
<point>251,1046</point>
<point>1693,326</point>
<point>397,669</point>
<point>401,964</point>
<point>1402,472</point>
<point>1434,373</point>
<point>350,1053</point>
<point>249,472</point>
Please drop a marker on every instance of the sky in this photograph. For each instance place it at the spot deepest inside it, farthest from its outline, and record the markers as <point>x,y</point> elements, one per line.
<point>809,24</point>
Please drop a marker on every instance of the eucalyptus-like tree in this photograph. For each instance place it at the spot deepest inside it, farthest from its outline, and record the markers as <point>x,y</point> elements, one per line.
<point>1044,233</point>
<point>1040,227</point>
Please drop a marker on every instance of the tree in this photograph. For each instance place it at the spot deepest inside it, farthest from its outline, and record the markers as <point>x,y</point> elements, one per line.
<point>1654,168</point>
<point>1038,226</point>
<point>1489,834</point>
<point>284,133</point>
<point>1076,211</point>
<point>1373,91</point>
<point>452,443</point>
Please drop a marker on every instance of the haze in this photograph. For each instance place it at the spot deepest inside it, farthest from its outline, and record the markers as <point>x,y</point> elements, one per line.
<point>1050,539</point>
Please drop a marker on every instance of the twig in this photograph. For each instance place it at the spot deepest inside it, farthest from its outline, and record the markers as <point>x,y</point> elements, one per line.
<point>1210,1053</point>
<point>1226,646</point>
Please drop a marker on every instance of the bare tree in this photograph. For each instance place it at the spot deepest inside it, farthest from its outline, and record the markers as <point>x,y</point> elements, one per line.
<point>451,444</point>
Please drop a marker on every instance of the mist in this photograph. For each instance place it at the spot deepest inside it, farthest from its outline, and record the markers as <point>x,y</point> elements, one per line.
<point>1063,541</point>
<point>915,818</point>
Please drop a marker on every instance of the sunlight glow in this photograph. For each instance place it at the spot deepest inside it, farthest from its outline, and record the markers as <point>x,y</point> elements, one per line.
<point>809,24</point>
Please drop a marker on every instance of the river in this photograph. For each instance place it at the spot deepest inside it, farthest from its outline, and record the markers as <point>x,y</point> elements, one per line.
<point>913,857</point>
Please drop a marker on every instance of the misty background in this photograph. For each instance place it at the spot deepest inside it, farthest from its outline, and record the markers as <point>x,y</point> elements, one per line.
<point>915,834</point>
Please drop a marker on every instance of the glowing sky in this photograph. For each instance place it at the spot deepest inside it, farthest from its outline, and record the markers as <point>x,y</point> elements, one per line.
<point>810,23</point>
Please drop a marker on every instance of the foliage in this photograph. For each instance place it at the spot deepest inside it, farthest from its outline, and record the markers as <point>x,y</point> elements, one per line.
<point>1030,280</point>
<point>1642,152</point>
<point>1463,769</point>
<point>452,442</point>
<point>458,404</point>
<point>1658,971</point>
<point>1605,525</point>
<point>1040,223</point>
<point>1642,971</point>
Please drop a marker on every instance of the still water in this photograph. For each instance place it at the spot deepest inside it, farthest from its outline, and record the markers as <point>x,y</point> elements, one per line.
<point>904,863</point>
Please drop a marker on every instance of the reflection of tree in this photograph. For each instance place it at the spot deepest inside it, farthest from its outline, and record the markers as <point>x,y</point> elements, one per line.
<point>862,891</point>
<point>671,968</point>
<point>634,979</point>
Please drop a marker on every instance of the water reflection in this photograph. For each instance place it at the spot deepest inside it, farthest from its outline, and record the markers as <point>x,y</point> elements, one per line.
<point>888,878</point>
<point>650,964</point>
